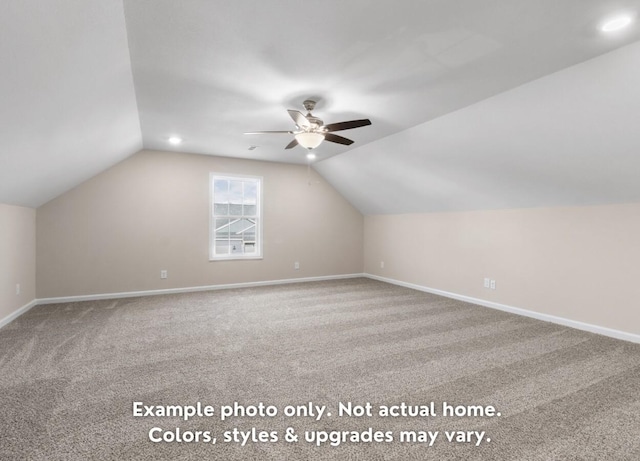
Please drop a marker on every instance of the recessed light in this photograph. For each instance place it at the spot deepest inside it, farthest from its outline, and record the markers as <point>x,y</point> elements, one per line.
<point>175,140</point>
<point>616,23</point>
<point>311,156</point>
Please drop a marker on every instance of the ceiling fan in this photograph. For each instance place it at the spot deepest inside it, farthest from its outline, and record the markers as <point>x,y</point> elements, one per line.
<point>310,131</point>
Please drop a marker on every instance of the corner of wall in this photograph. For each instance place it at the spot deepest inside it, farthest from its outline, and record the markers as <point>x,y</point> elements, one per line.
<point>17,261</point>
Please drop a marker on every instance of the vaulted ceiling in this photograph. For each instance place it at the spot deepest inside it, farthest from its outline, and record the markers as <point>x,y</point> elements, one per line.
<point>474,105</point>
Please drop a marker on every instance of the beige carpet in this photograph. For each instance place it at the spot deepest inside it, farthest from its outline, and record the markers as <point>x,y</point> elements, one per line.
<point>69,374</point>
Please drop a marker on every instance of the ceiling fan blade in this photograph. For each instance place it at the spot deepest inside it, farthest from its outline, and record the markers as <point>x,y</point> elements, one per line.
<point>292,144</point>
<point>299,118</point>
<point>269,132</point>
<point>337,139</point>
<point>347,125</point>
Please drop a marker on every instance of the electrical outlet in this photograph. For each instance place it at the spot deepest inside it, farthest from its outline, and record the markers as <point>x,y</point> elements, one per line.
<point>381,264</point>
<point>487,283</point>
<point>493,284</point>
<point>296,265</point>
<point>17,288</point>
<point>164,274</point>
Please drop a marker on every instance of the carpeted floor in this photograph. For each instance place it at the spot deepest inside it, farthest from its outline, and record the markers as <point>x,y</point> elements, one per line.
<point>69,374</point>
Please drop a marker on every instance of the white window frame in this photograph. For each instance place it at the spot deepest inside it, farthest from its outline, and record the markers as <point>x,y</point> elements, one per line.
<point>224,176</point>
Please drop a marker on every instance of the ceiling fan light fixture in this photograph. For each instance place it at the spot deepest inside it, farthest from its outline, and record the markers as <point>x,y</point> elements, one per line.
<point>309,139</point>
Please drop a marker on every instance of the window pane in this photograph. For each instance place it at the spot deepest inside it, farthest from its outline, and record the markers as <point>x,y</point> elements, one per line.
<point>236,246</point>
<point>222,228</point>
<point>249,231</point>
<point>235,210</point>
<point>220,209</point>
<point>235,192</point>
<point>249,247</point>
<point>220,191</point>
<point>222,247</point>
<point>250,193</point>
<point>235,226</point>
<point>250,210</point>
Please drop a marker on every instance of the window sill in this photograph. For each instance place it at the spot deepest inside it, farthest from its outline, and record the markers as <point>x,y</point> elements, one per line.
<point>234,258</point>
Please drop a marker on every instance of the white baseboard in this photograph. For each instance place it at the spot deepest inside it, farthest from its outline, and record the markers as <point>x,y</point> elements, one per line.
<point>15,314</point>
<point>623,335</point>
<point>132,294</point>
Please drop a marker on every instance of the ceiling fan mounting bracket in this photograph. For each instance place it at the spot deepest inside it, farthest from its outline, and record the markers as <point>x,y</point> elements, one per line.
<point>309,104</point>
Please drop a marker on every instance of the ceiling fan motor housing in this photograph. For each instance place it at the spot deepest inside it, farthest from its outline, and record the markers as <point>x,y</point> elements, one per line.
<point>315,122</point>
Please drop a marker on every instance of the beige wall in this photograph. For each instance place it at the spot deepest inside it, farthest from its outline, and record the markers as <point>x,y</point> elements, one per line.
<point>115,232</point>
<point>17,258</point>
<point>579,263</point>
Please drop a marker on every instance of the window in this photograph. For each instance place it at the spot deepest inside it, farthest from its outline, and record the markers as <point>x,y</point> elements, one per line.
<point>236,222</point>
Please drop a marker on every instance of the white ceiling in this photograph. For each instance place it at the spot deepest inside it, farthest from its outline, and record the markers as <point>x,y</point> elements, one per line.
<point>570,138</point>
<point>461,116</point>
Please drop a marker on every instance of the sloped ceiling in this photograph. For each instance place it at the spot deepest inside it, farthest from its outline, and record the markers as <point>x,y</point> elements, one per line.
<point>474,104</point>
<point>570,138</point>
<point>67,101</point>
